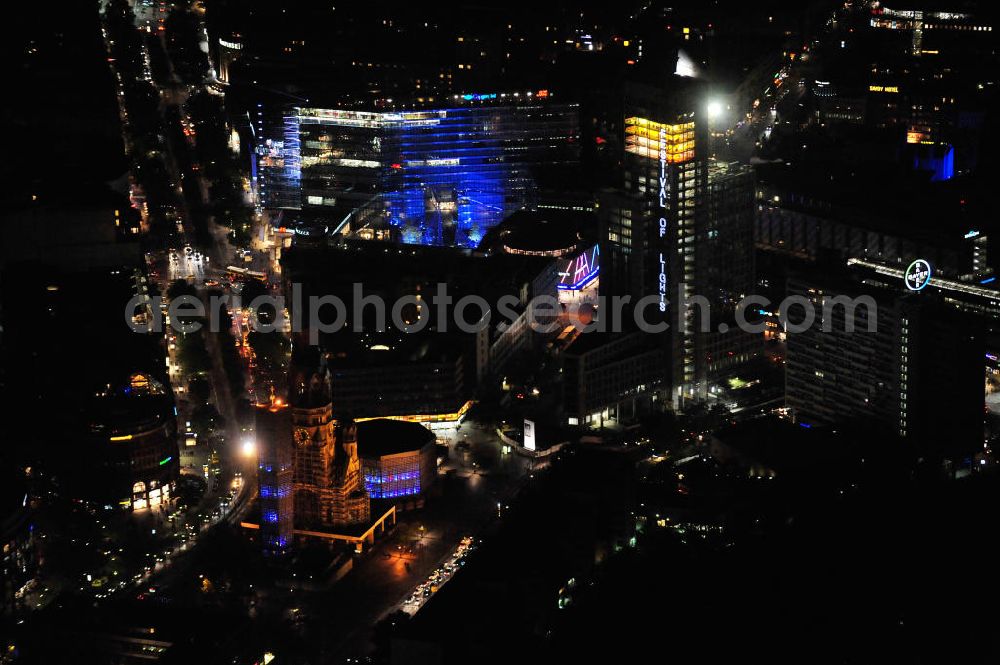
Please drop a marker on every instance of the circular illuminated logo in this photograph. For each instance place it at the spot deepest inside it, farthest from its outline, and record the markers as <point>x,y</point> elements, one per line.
<point>918,275</point>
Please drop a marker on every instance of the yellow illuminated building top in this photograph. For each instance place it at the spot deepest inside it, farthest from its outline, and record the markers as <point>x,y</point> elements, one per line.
<point>425,418</point>
<point>647,138</point>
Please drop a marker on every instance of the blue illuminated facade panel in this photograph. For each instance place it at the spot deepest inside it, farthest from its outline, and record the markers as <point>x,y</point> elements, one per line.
<point>938,158</point>
<point>440,177</point>
<point>275,162</point>
<point>274,477</point>
<point>452,181</point>
<point>291,164</point>
<point>275,506</point>
<point>399,476</point>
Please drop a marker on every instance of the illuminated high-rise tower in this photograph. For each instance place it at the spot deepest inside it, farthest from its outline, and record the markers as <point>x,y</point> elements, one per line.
<point>679,230</point>
<point>274,445</point>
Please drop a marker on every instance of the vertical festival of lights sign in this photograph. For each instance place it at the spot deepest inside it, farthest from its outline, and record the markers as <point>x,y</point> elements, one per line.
<point>668,144</point>
<point>663,218</point>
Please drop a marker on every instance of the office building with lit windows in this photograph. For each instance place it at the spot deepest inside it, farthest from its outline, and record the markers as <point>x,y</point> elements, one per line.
<point>610,378</point>
<point>433,174</point>
<point>111,430</point>
<point>679,228</point>
<point>921,80</point>
<point>17,547</point>
<point>798,215</point>
<point>905,361</point>
<point>134,435</point>
<point>724,272</point>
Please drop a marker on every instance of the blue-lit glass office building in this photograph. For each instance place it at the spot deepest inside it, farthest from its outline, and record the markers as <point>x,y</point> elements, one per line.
<point>433,176</point>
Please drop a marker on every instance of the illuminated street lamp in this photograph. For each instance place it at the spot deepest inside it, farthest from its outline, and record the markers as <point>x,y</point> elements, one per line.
<point>249,448</point>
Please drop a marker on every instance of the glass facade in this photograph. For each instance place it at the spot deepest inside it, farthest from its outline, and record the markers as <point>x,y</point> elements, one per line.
<point>275,167</point>
<point>394,479</point>
<point>438,176</point>
<point>400,475</point>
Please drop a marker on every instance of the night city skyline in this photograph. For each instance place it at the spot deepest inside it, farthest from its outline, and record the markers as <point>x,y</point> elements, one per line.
<point>477,333</point>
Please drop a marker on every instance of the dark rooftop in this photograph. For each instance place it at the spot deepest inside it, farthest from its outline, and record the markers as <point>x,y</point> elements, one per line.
<point>541,231</point>
<point>780,443</point>
<point>391,437</point>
